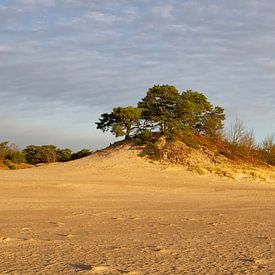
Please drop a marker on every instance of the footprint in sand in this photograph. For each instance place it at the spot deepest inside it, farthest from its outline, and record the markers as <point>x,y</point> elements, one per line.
<point>261,261</point>
<point>126,218</point>
<point>162,250</point>
<point>8,239</point>
<point>100,269</point>
<point>169,224</point>
<point>191,219</point>
<point>65,235</point>
<point>117,218</point>
<point>128,272</point>
<point>82,266</point>
<point>57,223</point>
<point>26,228</point>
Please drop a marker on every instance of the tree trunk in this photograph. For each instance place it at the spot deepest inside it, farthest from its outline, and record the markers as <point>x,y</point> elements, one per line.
<point>127,136</point>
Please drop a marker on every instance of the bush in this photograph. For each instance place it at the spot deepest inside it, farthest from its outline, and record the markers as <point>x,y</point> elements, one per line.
<point>16,157</point>
<point>81,154</point>
<point>64,155</point>
<point>11,152</point>
<point>9,164</point>
<point>151,150</point>
<point>4,149</point>
<point>268,150</point>
<point>144,137</point>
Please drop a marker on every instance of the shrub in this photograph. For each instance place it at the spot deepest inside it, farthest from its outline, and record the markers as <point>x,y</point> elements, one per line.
<point>4,149</point>
<point>9,164</point>
<point>64,155</point>
<point>144,137</point>
<point>81,154</point>
<point>16,157</point>
<point>151,150</point>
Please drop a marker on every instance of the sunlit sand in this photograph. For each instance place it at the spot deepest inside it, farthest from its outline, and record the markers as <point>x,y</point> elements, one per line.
<point>116,213</point>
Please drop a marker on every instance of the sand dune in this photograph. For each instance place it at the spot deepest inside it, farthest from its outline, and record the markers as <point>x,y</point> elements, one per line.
<point>116,213</point>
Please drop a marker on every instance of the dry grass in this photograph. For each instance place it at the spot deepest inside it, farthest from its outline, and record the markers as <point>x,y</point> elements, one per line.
<point>235,171</point>
<point>206,160</point>
<point>8,165</point>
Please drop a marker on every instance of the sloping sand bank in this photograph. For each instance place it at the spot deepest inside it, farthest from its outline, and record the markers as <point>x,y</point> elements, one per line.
<point>115,213</point>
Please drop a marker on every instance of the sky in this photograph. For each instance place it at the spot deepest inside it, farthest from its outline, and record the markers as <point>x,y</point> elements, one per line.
<point>64,62</point>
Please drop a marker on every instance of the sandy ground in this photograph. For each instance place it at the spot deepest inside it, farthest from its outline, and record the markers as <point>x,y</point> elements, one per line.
<point>114,213</point>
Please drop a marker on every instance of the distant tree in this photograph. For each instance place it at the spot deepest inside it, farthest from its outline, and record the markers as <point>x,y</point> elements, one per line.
<point>248,140</point>
<point>81,154</point>
<point>242,142</point>
<point>64,154</point>
<point>122,121</point>
<point>269,143</point>
<point>48,153</point>
<point>11,152</point>
<point>32,154</point>
<point>237,132</point>
<point>40,154</point>
<point>268,149</point>
<point>15,155</point>
<point>4,149</point>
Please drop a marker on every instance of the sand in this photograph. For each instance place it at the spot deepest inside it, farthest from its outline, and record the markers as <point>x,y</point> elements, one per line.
<point>115,213</point>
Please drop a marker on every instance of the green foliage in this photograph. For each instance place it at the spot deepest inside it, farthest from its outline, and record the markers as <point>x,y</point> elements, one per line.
<point>9,164</point>
<point>213,122</point>
<point>40,154</point>
<point>9,151</point>
<point>64,155</point>
<point>145,136</point>
<point>48,153</point>
<point>189,139</point>
<point>32,154</point>
<point>81,154</point>
<point>203,117</point>
<point>122,121</point>
<point>199,100</point>
<point>159,106</point>
<point>16,157</point>
<point>166,110</point>
<point>151,150</point>
<point>11,155</point>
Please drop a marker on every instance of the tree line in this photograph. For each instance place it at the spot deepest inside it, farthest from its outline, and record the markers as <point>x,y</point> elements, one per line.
<point>11,155</point>
<point>187,115</point>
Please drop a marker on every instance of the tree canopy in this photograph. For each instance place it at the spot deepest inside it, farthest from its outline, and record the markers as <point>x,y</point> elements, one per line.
<point>122,121</point>
<point>165,110</point>
<point>159,107</point>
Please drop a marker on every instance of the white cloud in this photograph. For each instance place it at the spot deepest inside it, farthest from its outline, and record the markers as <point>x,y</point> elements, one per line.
<point>163,11</point>
<point>59,58</point>
<point>43,3</point>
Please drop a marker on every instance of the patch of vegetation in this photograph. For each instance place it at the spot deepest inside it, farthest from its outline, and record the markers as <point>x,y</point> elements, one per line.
<point>190,118</point>
<point>151,150</point>
<point>9,164</point>
<point>12,157</point>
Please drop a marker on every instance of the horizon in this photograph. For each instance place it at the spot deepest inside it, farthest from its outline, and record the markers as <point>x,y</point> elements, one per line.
<point>63,63</point>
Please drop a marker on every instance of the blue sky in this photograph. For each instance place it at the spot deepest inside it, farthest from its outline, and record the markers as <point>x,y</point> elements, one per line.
<point>64,62</point>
